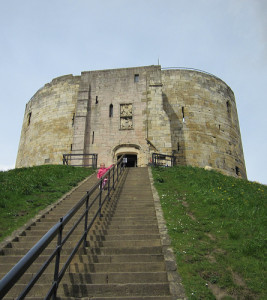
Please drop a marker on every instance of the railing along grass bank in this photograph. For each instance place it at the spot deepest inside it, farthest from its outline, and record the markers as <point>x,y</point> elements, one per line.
<point>217,225</point>
<point>26,191</point>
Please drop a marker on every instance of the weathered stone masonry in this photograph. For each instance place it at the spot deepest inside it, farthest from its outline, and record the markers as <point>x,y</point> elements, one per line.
<point>134,111</point>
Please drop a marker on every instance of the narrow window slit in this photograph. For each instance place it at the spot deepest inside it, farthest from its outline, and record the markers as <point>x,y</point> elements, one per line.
<point>96,100</point>
<point>93,137</point>
<point>29,118</point>
<point>73,119</point>
<point>183,114</point>
<point>111,110</point>
<point>228,105</point>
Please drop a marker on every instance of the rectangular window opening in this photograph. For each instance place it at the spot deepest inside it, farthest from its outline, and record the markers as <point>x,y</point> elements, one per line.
<point>93,137</point>
<point>183,114</point>
<point>237,171</point>
<point>136,78</point>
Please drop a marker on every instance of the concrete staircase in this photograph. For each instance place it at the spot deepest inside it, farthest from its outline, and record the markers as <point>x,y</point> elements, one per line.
<point>123,258</point>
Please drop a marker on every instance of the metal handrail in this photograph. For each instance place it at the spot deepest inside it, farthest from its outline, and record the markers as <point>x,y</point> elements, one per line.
<point>68,159</point>
<point>190,69</point>
<point>196,70</point>
<point>164,160</point>
<point>9,280</point>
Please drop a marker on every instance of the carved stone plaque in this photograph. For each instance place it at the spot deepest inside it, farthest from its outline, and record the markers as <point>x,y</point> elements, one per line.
<point>126,116</point>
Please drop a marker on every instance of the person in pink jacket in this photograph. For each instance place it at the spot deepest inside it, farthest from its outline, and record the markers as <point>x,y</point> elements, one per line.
<point>102,171</point>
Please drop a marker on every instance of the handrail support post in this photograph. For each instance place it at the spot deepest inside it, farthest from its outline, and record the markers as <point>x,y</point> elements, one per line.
<point>59,240</point>
<point>86,219</point>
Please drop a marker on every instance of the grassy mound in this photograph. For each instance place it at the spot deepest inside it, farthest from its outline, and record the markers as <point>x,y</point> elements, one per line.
<point>24,192</point>
<point>218,229</point>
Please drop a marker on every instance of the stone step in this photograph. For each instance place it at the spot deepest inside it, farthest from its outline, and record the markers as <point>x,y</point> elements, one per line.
<point>124,237</point>
<point>134,213</point>
<point>104,298</point>
<point>78,267</point>
<point>39,233</point>
<point>108,241</point>
<point>101,278</point>
<point>148,227</point>
<point>118,298</point>
<point>93,250</point>
<point>49,224</point>
<point>7,260</point>
<point>118,258</point>
<point>147,218</point>
<point>117,267</point>
<point>32,239</point>
<point>97,290</point>
<point>122,250</point>
<point>124,244</point>
<point>120,277</point>
<point>113,290</point>
<point>132,222</point>
<point>5,268</point>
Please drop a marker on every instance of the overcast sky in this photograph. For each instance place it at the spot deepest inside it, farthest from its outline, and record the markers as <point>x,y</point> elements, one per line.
<point>44,39</point>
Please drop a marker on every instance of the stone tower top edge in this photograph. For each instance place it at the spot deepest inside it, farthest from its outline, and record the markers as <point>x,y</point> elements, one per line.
<point>197,71</point>
<point>56,80</point>
<point>122,69</point>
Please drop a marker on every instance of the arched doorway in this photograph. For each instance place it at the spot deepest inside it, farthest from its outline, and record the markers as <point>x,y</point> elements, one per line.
<point>130,160</point>
<point>131,153</point>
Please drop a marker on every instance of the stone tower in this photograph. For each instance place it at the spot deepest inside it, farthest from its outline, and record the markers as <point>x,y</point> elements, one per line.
<point>135,111</point>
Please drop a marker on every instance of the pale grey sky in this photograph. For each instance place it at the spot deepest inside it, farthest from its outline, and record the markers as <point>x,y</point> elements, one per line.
<point>44,39</point>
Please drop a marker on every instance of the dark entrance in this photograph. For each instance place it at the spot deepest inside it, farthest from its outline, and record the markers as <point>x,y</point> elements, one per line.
<point>131,160</point>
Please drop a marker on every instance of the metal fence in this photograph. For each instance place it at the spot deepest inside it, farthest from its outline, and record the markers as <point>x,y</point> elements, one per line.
<point>80,160</point>
<point>163,160</point>
<point>95,197</point>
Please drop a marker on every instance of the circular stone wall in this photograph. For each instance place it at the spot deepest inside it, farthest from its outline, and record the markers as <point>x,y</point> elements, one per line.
<point>47,130</point>
<point>204,122</point>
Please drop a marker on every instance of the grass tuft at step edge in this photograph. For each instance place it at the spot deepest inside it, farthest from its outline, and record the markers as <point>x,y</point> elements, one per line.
<point>217,225</point>
<point>26,191</point>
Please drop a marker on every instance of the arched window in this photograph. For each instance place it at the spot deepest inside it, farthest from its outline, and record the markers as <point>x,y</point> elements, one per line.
<point>111,110</point>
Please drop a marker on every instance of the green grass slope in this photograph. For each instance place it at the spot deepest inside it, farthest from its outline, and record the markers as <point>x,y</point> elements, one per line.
<point>26,191</point>
<point>217,225</point>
